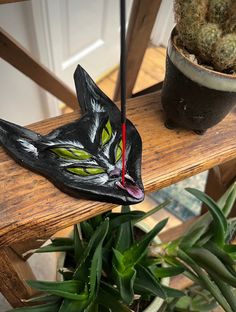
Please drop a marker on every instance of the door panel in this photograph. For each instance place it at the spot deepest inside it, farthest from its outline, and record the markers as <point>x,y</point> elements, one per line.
<point>85,33</point>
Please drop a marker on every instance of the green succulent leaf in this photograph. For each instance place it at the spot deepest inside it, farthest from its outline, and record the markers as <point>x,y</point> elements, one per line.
<point>146,283</point>
<point>52,248</point>
<point>84,172</point>
<point>196,303</point>
<point>204,279</point>
<point>44,298</point>
<point>228,199</point>
<point>109,298</point>
<point>48,307</point>
<point>67,289</point>
<point>71,153</point>
<point>226,290</point>
<point>137,251</point>
<point>116,219</point>
<point>82,271</point>
<point>212,264</point>
<point>78,244</point>
<point>173,293</point>
<point>152,211</point>
<point>93,308</point>
<point>119,260</point>
<point>221,254</point>
<point>95,221</point>
<point>87,230</point>
<point>190,239</point>
<point>125,282</point>
<point>73,306</point>
<point>230,248</point>
<point>161,272</point>
<point>125,236</point>
<point>58,244</point>
<point>219,220</point>
<point>106,133</point>
<point>96,270</point>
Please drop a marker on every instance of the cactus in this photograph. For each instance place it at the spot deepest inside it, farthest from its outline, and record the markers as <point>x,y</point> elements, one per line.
<point>188,35</point>
<point>207,28</point>
<point>231,22</point>
<point>207,37</point>
<point>225,53</point>
<point>218,11</point>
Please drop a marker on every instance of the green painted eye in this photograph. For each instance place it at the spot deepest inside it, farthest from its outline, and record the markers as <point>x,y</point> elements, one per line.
<point>85,171</point>
<point>119,151</point>
<point>71,153</point>
<point>106,133</point>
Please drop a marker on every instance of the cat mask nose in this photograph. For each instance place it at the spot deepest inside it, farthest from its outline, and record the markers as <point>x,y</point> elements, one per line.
<point>115,173</point>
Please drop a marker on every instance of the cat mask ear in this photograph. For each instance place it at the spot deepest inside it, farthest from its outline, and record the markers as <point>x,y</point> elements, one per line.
<point>90,97</point>
<point>19,141</point>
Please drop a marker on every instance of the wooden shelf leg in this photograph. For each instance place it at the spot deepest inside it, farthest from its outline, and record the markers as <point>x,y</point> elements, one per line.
<point>13,273</point>
<point>16,55</point>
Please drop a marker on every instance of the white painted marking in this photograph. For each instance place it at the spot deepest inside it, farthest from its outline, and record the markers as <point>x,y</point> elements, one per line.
<point>28,147</point>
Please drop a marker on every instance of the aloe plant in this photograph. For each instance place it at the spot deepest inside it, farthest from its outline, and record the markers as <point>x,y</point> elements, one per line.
<point>106,267</point>
<point>208,257</point>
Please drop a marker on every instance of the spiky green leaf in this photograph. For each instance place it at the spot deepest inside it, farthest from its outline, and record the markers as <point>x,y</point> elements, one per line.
<point>67,289</point>
<point>161,272</point>
<point>146,283</point>
<point>219,220</point>
<point>134,254</point>
<point>48,307</point>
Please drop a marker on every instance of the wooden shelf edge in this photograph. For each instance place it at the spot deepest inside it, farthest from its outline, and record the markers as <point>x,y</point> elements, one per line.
<point>168,157</point>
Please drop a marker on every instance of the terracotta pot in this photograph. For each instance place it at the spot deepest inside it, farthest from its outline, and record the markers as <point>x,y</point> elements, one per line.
<point>156,304</point>
<point>194,97</point>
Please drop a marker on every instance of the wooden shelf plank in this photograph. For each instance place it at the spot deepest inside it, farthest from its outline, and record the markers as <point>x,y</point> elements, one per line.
<point>31,207</point>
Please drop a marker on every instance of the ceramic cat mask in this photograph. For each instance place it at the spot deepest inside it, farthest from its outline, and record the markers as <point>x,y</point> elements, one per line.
<point>83,158</point>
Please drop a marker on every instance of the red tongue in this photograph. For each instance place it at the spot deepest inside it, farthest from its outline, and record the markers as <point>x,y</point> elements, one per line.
<point>133,190</point>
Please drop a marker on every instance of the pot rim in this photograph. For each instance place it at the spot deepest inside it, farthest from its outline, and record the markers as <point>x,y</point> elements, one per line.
<point>198,73</point>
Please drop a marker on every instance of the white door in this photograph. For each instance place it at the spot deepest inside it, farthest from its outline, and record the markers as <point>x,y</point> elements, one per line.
<point>72,32</point>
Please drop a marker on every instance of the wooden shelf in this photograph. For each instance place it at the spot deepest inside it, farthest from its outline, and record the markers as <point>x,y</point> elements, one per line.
<point>31,207</point>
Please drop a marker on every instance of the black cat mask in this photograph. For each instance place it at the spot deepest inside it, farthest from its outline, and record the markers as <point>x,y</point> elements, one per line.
<point>83,158</point>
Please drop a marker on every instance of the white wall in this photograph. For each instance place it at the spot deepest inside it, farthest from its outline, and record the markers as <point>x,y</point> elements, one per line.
<point>164,24</point>
<point>22,101</point>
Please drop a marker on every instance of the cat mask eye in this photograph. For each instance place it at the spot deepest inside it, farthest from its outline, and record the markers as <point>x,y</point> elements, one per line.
<point>83,158</point>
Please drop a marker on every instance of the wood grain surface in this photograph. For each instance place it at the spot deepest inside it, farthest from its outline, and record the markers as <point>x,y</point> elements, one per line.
<point>13,273</point>
<point>31,207</point>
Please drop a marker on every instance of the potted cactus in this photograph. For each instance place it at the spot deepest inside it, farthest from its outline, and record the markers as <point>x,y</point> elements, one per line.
<point>200,83</point>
